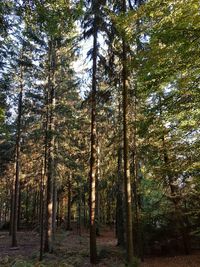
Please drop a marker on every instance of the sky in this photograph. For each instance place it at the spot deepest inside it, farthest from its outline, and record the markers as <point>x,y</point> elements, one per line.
<point>83,63</point>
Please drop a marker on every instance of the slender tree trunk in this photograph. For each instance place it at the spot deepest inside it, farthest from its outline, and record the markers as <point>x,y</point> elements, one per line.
<point>84,211</point>
<point>1,213</point>
<point>34,207</point>
<point>51,141</point>
<point>97,191</point>
<point>54,208</point>
<point>127,178</point>
<point>27,205</point>
<point>119,197</point>
<point>5,214</point>
<point>79,209</point>
<point>11,210</point>
<point>42,210</point>
<point>19,208</point>
<point>137,178</point>
<point>69,195</point>
<point>44,228</point>
<point>17,163</point>
<point>137,233</point>
<point>119,204</point>
<point>93,158</point>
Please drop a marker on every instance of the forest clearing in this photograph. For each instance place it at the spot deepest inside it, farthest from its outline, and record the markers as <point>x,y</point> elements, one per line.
<point>100,133</point>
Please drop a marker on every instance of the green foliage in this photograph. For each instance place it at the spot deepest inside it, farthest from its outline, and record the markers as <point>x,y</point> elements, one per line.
<point>163,114</point>
<point>135,263</point>
<point>22,263</point>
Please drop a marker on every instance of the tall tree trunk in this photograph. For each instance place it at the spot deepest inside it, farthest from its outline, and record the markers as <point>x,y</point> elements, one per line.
<point>84,211</point>
<point>1,212</point>
<point>19,208</point>
<point>27,205</point>
<point>127,178</point>
<point>97,191</point>
<point>69,196</point>
<point>119,197</point>
<point>17,163</point>
<point>42,209</point>
<point>79,209</point>
<point>54,208</point>
<point>58,210</point>
<point>44,169</point>
<point>93,157</point>
<point>137,179</point>
<point>137,232</point>
<point>33,216</point>
<point>51,140</point>
<point>119,204</point>
<point>11,210</point>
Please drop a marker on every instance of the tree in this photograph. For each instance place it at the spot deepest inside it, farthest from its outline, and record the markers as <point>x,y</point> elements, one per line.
<point>127,178</point>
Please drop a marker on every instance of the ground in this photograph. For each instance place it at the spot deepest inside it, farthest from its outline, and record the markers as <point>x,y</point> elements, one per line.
<point>72,249</point>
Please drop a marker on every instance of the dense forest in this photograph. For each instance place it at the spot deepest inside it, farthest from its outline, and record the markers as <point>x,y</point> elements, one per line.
<point>100,133</point>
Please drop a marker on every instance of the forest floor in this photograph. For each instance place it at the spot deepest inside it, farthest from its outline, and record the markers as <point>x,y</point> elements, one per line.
<point>72,249</point>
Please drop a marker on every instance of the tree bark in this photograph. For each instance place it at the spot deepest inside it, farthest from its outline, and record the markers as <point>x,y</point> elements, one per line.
<point>54,208</point>
<point>119,204</point>
<point>93,158</point>
<point>17,163</point>
<point>42,210</point>
<point>127,178</point>
<point>69,202</point>
<point>97,191</point>
<point>19,208</point>
<point>51,141</point>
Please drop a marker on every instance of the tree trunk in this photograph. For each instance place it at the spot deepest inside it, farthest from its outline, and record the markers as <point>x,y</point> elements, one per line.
<point>17,164</point>
<point>84,211</point>
<point>42,210</point>
<point>11,209</point>
<point>93,157</point>
<point>119,204</point>
<point>19,208</point>
<point>51,140</point>
<point>79,209</point>
<point>33,216</point>
<point>127,179</point>
<point>58,210</point>
<point>97,191</point>
<point>54,208</point>
<point>1,213</point>
<point>69,195</point>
